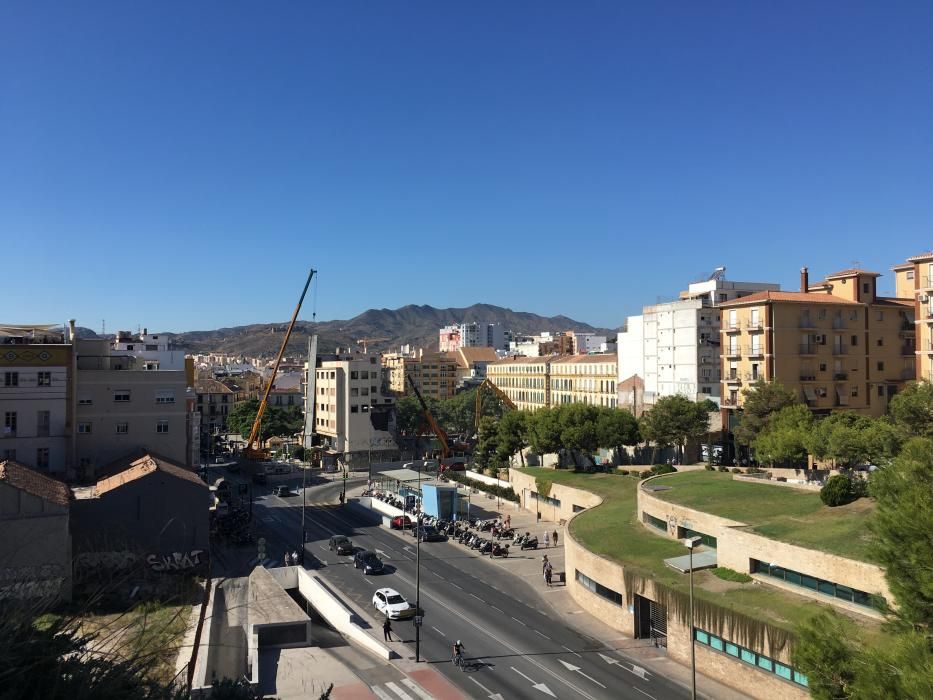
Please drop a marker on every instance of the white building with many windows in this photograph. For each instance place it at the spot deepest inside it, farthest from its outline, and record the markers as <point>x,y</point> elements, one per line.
<point>674,346</point>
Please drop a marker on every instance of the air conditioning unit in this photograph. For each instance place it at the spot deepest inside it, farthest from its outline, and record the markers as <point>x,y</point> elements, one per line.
<point>924,298</point>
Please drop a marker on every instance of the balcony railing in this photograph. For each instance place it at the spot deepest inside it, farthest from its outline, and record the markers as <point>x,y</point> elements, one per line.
<point>808,348</point>
<point>840,376</point>
<point>839,324</point>
<point>908,373</point>
<point>908,349</point>
<point>806,322</point>
<point>755,350</point>
<point>731,326</point>
<point>732,377</point>
<point>926,281</point>
<point>808,376</point>
<point>840,349</point>
<point>754,325</point>
<point>733,352</point>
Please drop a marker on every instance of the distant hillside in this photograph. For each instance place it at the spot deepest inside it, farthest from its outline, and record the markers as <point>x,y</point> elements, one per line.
<point>417,325</point>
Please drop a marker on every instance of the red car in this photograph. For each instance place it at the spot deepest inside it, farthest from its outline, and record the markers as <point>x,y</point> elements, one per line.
<point>455,467</point>
<point>400,522</point>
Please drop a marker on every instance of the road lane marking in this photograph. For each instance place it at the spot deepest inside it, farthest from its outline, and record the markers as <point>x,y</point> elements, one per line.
<point>476,596</point>
<point>542,634</point>
<point>485,689</point>
<point>438,631</point>
<point>495,608</point>
<point>577,669</point>
<point>381,693</point>
<point>456,586</point>
<point>520,621</point>
<point>398,691</point>
<point>522,675</point>
<point>643,692</point>
<point>573,652</point>
<point>411,685</point>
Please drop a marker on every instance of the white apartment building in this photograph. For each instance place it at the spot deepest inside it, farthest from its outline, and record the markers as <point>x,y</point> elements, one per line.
<point>156,350</point>
<point>473,335</point>
<point>674,346</point>
<point>354,409</point>
<point>35,372</point>
<point>586,343</point>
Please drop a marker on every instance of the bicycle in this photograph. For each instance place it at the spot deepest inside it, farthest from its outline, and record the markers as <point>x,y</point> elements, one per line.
<point>458,661</point>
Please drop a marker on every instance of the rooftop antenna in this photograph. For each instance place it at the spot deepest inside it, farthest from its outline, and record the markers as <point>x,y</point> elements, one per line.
<point>103,326</point>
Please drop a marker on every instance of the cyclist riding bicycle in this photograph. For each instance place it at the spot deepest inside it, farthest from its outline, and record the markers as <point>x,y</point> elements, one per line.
<point>458,654</point>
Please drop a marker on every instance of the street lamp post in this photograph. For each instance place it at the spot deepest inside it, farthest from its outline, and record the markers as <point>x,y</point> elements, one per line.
<point>690,543</point>
<point>418,581</point>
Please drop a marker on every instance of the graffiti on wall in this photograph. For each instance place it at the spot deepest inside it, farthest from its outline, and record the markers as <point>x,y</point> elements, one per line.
<point>105,560</point>
<point>177,561</point>
<point>40,581</point>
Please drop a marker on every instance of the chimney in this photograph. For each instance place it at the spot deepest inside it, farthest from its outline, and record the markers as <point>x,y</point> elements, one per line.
<point>804,280</point>
<point>71,330</point>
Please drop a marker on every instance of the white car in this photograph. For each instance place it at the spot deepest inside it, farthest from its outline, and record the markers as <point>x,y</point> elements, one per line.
<point>390,603</point>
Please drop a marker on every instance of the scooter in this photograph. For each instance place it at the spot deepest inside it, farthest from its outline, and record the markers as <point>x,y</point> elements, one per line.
<point>531,543</point>
<point>519,539</point>
<point>506,534</point>
<point>486,547</point>
<point>499,550</point>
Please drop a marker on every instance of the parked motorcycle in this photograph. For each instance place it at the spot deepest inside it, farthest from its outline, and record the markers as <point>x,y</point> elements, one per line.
<point>486,547</point>
<point>506,534</point>
<point>499,550</point>
<point>531,543</point>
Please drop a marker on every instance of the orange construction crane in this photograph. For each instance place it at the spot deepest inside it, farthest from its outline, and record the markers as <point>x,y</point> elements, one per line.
<point>256,453</point>
<point>487,384</point>
<point>366,341</point>
<point>432,423</point>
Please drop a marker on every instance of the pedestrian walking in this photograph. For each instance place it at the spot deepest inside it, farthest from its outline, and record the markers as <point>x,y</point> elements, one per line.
<point>545,564</point>
<point>547,539</point>
<point>287,558</point>
<point>387,630</point>
<point>295,557</point>
<point>548,570</point>
<point>554,535</point>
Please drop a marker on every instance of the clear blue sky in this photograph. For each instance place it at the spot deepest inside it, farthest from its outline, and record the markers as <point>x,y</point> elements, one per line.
<point>180,165</point>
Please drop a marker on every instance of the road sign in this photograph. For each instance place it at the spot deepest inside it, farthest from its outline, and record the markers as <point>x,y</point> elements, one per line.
<point>419,620</point>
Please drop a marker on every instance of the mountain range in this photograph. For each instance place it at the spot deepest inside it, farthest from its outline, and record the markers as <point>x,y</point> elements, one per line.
<point>412,324</point>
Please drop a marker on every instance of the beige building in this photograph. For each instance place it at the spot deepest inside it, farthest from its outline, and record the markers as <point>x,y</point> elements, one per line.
<point>353,409</point>
<point>435,374</point>
<point>836,344</point>
<point>215,400</point>
<point>589,379</point>
<point>121,406</point>
<point>525,380</point>
<point>35,382</point>
<point>914,281</point>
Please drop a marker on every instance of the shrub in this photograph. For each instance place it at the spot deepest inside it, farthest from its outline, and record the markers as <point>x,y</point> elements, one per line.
<point>727,574</point>
<point>841,489</point>
<point>662,469</point>
<point>754,470</point>
<point>710,468</point>
<point>723,468</point>
<point>736,470</point>
<point>624,472</point>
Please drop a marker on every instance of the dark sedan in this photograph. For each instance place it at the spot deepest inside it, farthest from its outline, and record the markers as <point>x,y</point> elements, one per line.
<point>341,544</point>
<point>429,533</point>
<point>368,562</point>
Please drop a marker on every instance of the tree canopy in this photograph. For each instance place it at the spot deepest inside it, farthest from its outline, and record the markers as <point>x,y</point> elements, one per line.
<point>761,400</point>
<point>912,409</point>
<point>785,439</point>
<point>674,420</point>
<point>276,420</point>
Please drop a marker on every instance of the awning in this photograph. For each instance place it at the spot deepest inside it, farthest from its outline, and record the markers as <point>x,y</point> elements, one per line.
<point>701,560</point>
<point>809,393</point>
<point>406,475</point>
<point>842,395</point>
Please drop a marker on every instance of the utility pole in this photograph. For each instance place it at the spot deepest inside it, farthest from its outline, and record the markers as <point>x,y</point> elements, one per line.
<point>418,618</point>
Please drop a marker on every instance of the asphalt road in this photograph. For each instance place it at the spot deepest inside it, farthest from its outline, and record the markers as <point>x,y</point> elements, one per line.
<point>514,647</point>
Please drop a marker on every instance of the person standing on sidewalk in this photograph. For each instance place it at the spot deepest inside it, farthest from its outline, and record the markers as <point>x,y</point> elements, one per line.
<point>547,539</point>
<point>548,570</point>
<point>387,630</point>
<point>555,537</point>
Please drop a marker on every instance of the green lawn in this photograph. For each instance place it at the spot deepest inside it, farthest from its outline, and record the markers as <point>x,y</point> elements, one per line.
<point>779,512</point>
<point>612,530</point>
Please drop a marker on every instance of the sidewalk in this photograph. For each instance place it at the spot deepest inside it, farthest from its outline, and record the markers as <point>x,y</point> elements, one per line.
<point>527,567</point>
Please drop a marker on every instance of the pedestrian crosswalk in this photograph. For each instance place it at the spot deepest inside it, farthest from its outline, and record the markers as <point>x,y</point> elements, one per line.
<point>394,691</point>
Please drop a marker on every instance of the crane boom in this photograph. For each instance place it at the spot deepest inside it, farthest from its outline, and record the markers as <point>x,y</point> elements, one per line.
<point>487,383</point>
<point>250,451</point>
<point>435,428</point>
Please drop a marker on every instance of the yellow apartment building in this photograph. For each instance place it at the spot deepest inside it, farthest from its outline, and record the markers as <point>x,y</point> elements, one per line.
<point>589,379</point>
<point>524,380</point>
<point>836,344</point>
<point>435,374</point>
<point>914,281</point>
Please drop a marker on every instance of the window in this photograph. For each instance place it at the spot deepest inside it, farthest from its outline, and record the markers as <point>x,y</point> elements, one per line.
<point>354,409</point>
<point>881,366</point>
<point>354,392</point>
<point>121,395</point>
<point>44,379</point>
<point>854,340</point>
<point>123,428</point>
<point>11,379</point>
<point>84,428</point>
<point>162,426</point>
<point>9,423</point>
<point>152,347</point>
<point>865,287</point>
<point>354,375</point>
<point>881,342</point>
<point>9,454</point>
<point>166,397</point>
<point>654,522</point>
<point>910,274</point>
<point>43,423</point>
<point>364,374</point>
<point>880,391</point>
<point>835,590</point>
<point>85,401</point>
<point>598,588</point>
<point>42,457</point>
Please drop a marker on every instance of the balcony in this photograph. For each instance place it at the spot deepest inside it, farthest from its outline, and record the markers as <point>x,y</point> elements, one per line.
<point>731,327</point>
<point>734,352</point>
<point>926,282</point>
<point>754,325</point>
<point>907,326</point>
<point>808,348</point>
<point>840,376</point>
<point>755,350</point>
<point>908,350</point>
<point>753,376</point>
<point>806,322</point>
<point>807,376</point>
<point>840,349</point>
<point>732,378</point>
<point>908,373</point>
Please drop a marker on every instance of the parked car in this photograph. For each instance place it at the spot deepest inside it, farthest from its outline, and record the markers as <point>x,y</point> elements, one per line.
<point>283,490</point>
<point>260,478</point>
<point>390,603</point>
<point>368,562</point>
<point>400,522</point>
<point>454,467</point>
<point>341,544</point>
<point>429,533</point>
